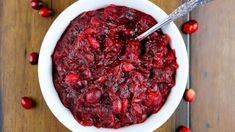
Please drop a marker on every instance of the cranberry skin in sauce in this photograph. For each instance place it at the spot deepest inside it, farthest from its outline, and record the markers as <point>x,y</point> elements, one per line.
<point>106,78</point>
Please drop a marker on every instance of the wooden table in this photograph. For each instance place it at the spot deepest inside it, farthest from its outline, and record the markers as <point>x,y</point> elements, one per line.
<point>212,67</point>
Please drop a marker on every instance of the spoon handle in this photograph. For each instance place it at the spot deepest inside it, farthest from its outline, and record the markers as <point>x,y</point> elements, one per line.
<point>180,11</point>
<point>186,8</point>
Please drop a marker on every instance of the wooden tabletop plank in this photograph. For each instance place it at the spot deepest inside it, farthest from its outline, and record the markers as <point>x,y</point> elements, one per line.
<point>21,32</point>
<point>213,63</point>
<point>1,95</point>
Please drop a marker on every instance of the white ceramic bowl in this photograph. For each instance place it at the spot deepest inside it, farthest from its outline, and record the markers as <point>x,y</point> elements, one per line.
<point>54,33</point>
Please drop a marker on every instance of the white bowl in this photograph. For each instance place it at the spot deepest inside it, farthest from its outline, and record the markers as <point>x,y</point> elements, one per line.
<point>53,35</point>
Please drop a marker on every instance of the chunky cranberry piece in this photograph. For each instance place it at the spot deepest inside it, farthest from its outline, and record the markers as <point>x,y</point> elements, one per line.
<point>33,58</point>
<point>190,27</point>
<point>93,43</point>
<point>36,4</point>
<point>106,78</point>
<point>127,66</point>
<point>189,95</point>
<point>93,96</point>
<point>45,12</point>
<point>125,105</point>
<point>117,106</point>
<point>184,129</point>
<point>26,102</point>
<point>90,31</point>
<point>72,78</point>
<point>167,39</point>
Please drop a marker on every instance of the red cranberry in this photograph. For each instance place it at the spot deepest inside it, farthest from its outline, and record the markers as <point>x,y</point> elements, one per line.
<point>155,97</point>
<point>93,96</point>
<point>45,12</point>
<point>93,43</point>
<point>71,78</point>
<point>184,129</point>
<point>33,58</point>
<point>167,39</point>
<point>190,27</point>
<point>125,105</point>
<point>127,66</point>
<point>95,21</point>
<point>87,74</point>
<point>89,31</point>
<point>117,106</point>
<point>101,79</point>
<point>35,0</point>
<point>27,102</point>
<point>137,108</point>
<point>189,95</point>
<point>36,4</point>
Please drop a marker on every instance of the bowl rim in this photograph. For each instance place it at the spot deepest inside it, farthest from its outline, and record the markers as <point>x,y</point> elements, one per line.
<point>45,67</point>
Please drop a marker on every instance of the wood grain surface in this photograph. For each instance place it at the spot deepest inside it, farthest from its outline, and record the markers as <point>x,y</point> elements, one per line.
<point>22,31</point>
<point>213,63</point>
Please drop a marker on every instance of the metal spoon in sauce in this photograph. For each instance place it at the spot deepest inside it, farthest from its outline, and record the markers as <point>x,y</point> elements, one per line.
<point>180,11</point>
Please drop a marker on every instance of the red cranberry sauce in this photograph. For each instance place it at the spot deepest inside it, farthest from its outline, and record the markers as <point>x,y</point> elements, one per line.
<point>105,77</point>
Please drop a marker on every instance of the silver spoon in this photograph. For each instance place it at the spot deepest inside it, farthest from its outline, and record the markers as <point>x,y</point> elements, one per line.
<point>180,11</point>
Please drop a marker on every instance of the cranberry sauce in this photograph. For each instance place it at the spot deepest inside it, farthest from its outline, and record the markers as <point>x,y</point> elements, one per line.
<point>106,78</point>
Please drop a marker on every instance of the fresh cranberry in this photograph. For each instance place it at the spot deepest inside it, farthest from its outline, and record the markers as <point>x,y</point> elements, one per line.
<point>189,95</point>
<point>190,27</point>
<point>26,102</point>
<point>35,0</point>
<point>184,129</point>
<point>93,96</point>
<point>37,4</point>
<point>45,12</point>
<point>33,58</point>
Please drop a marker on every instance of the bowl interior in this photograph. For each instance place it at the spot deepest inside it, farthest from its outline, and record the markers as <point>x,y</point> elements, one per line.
<point>53,35</point>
